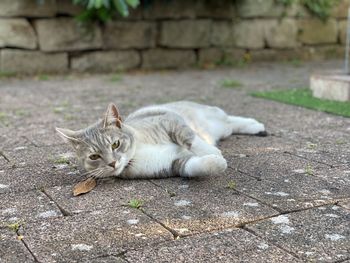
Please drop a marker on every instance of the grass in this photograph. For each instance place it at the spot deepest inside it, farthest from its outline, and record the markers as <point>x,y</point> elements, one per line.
<point>43,77</point>
<point>309,170</point>
<point>61,160</point>
<point>231,184</point>
<point>135,203</point>
<point>116,78</point>
<point>231,84</point>
<point>303,97</point>
<point>4,74</point>
<point>14,226</point>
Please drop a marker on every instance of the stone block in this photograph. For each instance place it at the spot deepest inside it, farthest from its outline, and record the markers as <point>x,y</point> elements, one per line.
<point>315,235</point>
<point>315,31</point>
<point>331,86</point>
<point>259,8</point>
<point>250,33</point>
<point>185,33</point>
<point>215,9</point>
<point>210,56</point>
<point>165,58</point>
<point>340,10</point>
<point>30,8</point>
<point>123,34</point>
<point>222,34</point>
<point>66,34</point>
<point>106,61</point>
<point>230,245</point>
<point>17,32</point>
<point>282,33</point>
<point>66,7</point>
<point>32,62</point>
<point>297,9</point>
<point>160,9</point>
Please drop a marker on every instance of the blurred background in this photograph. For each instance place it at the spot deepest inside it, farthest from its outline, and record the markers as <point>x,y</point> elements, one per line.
<point>56,36</point>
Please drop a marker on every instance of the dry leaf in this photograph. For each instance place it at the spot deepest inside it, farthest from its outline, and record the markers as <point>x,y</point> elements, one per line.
<point>84,186</point>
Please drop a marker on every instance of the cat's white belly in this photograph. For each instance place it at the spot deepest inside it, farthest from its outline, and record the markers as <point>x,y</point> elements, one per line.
<point>150,159</point>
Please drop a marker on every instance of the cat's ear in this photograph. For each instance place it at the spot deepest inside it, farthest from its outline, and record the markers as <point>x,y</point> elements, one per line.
<point>112,116</point>
<point>69,136</point>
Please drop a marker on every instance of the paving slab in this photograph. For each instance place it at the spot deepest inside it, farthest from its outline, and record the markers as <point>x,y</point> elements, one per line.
<point>204,205</point>
<point>226,246</point>
<point>270,166</point>
<point>111,194</point>
<point>320,234</point>
<point>26,207</point>
<point>33,178</point>
<point>12,250</point>
<point>293,192</point>
<point>97,234</point>
<point>31,156</point>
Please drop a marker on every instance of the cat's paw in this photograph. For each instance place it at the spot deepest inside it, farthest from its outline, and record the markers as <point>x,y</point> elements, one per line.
<point>252,126</point>
<point>205,165</point>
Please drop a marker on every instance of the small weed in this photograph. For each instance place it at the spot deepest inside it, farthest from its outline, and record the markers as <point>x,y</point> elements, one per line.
<point>231,84</point>
<point>61,160</point>
<point>68,117</point>
<point>5,75</point>
<point>231,185</point>
<point>311,146</point>
<point>309,170</point>
<point>14,226</point>
<point>3,116</point>
<point>295,62</point>
<point>170,193</point>
<point>43,77</point>
<point>116,78</point>
<point>135,203</point>
<point>340,141</point>
<point>21,113</point>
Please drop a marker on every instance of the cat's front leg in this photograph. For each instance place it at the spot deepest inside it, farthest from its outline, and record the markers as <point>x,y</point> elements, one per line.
<point>196,166</point>
<point>200,148</point>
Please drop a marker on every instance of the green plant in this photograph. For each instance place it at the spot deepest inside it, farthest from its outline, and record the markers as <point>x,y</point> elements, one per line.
<point>14,226</point>
<point>309,170</point>
<point>135,203</point>
<point>231,184</point>
<point>303,97</point>
<point>231,83</point>
<point>320,8</point>
<point>104,10</point>
<point>62,160</point>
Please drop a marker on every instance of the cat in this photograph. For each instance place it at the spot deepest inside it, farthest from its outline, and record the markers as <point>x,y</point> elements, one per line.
<point>174,139</point>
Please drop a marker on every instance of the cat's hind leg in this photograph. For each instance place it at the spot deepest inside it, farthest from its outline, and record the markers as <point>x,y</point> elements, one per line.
<point>241,125</point>
<point>197,166</point>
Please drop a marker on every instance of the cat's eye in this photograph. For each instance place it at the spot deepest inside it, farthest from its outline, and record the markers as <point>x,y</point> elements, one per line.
<point>115,145</point>
<point>94,157</point>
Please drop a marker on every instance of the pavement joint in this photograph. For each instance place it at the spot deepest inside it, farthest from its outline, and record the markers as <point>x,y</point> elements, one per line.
<point>175,234</point>
<point>311,160</point>
<point>63,211</point>
<point>273,243</point>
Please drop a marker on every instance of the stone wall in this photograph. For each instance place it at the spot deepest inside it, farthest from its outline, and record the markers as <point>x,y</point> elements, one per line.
<point>42,36</point>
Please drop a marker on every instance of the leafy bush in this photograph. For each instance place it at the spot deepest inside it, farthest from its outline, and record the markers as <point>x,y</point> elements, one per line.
<point>104,10</point>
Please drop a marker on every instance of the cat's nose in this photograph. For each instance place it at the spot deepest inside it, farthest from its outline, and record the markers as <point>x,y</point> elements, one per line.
<point>112,164</point>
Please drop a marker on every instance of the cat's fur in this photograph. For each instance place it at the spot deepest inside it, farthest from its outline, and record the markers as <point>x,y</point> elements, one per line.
<point>174,139</point>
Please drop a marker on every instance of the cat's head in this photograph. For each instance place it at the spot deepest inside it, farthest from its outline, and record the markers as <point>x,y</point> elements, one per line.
<point>104,147</point>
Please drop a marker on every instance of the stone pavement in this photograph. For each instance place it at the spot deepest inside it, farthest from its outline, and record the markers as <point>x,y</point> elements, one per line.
<point>284,198</point>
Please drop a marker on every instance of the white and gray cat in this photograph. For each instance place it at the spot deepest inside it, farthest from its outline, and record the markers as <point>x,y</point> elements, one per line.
<point>174,139</point>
